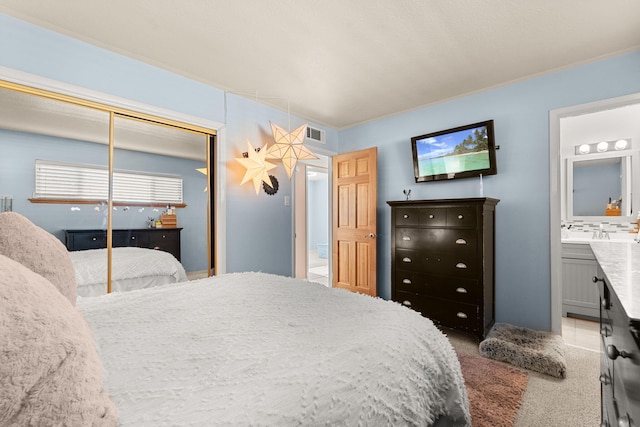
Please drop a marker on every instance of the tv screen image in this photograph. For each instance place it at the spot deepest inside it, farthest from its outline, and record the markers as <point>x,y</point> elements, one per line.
<point>460,152</point>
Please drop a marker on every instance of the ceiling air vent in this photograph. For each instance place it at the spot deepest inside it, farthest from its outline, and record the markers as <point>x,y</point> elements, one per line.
<point>315,135</point>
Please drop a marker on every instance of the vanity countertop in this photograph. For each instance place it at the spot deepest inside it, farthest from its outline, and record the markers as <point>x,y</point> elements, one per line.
<point>620,262</point>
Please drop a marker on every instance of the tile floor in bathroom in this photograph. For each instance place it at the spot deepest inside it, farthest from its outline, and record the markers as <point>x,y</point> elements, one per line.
<point>581,333</point>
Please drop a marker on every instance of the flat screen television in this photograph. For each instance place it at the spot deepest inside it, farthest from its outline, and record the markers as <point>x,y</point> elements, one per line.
<point>462,152</point>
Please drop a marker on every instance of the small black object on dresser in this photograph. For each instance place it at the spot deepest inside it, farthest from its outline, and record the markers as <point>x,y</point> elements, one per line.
<point>164,239</point>
<point>619,360</point>
<point>442,261</point>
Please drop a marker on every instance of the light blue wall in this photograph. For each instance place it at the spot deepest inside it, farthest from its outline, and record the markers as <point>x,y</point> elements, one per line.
<point>259,227</point>
<point>521,115</point>
<point>17,178</point>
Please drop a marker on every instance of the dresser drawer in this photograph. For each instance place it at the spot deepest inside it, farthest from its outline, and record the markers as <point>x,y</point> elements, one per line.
<point>456,289</point>
<point>440,263</point>
<point>83,241</point>
<point>407,216</point>
<point>130,238</point>
<point>437,239</point>
<point>168,241</point>
<point>462,216</point>
<point>433,217</point>
<point>451,314</point>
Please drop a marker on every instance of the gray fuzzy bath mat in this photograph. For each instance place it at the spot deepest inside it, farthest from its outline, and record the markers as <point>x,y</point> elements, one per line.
<point>526,348</point>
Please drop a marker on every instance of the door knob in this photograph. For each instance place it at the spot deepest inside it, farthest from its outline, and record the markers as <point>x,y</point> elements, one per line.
<point>370,236</point>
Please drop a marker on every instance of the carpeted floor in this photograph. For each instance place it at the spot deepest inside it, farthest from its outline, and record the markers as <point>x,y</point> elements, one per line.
<point>552,402</point>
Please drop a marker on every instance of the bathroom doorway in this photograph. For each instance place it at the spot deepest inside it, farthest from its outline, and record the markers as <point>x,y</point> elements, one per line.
<point>318,225</point>
<point>312,254</point>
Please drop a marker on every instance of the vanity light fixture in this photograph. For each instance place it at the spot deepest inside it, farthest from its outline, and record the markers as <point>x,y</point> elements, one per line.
<point>602,146</point>
<point>584,149</point>
<point>621,144</point>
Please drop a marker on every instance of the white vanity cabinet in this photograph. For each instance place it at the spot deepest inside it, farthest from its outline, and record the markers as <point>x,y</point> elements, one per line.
<point>579,293</point>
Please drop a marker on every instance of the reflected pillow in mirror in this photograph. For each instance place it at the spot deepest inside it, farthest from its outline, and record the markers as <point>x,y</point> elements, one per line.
<point>50,371</point>
<point>38,250</point>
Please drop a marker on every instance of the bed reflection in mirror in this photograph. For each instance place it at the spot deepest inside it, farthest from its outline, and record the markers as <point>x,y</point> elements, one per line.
<point>35,128</point>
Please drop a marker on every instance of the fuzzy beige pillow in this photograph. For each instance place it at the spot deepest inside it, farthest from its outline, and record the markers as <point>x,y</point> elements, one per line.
<point>50,371</point>
<point>38,250</point>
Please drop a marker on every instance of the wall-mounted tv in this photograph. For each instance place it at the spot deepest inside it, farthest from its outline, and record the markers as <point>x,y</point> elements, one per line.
<point>461,152</point>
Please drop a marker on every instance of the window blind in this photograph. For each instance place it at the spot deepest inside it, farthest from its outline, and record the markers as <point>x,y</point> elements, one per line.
<point>57,180</point>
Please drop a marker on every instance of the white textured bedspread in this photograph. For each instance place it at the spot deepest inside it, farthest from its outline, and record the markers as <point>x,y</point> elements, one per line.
<point>132,268</point>
<point>264,350</point>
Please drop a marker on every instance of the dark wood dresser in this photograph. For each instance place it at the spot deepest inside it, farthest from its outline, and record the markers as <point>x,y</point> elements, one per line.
<point>442,261</point>
<point>617,278</point>
<point>164,239</point>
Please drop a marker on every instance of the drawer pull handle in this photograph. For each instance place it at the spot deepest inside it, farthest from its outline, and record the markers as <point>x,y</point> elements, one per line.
<point>624,421</point>
<point>405,216</point>
<point>406,238</point>
<point>461,315</point>
<point>94,238</point>
<point>431,216</point>
<point>406,259</point>
<point>406,281</point>
<point>164,237</point>
<point>133,237</point>
<point>461,290</point>
<point>460,216</point>
<point>613,352</point>
<point>406,303</point>
<point>604,379</point>
<point>461,265</point>
<point>461,242</point>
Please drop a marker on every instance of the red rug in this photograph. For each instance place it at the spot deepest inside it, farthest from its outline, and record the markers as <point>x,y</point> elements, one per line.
<point>495,391</point>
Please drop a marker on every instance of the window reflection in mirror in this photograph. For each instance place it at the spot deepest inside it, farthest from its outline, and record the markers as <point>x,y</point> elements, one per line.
<point>174,223</point>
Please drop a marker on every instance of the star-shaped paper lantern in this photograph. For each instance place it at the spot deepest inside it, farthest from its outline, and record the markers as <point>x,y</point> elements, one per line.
<point>289,147</point>
<point>257,167</point>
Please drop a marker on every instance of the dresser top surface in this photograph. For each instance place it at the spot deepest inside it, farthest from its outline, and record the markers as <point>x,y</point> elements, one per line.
<point>620,262</point>
<point>101,230</point>
<point>470,200</point>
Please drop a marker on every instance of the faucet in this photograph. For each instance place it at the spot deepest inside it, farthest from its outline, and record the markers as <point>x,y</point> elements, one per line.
<point>601,234</point>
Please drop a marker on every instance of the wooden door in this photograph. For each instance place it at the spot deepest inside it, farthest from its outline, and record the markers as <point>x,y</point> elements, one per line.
<point>354,187</point>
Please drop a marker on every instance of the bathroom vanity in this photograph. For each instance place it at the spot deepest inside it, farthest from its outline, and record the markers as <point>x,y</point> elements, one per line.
<point>618,280</point>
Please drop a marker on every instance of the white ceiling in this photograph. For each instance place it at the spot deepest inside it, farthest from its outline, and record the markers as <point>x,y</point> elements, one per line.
<point>339,62</point>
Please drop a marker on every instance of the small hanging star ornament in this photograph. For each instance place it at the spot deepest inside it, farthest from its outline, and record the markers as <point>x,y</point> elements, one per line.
<point>289,147</point>
<point>257,167</point>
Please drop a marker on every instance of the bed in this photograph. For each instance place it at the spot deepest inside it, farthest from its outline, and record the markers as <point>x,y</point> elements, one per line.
<point>132,268</point>
<point>237,349</point>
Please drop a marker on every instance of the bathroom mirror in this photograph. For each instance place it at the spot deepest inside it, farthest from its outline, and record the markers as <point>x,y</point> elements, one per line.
<point>592,182</point>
